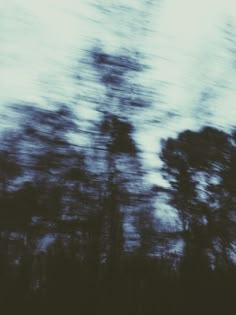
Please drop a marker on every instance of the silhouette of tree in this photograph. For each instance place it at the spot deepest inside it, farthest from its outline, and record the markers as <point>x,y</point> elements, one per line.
<point>10,172</point>
<point>120,160</point>
<point>50,160</point>
<point>9,164</point>
<point>196,164</point>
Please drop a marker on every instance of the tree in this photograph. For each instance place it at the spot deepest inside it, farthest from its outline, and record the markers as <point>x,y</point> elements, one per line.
<point>49,158</point>
<point>197,166</point>
<point>121,165</point>
<point>9,164</point>
<point>10,172</point>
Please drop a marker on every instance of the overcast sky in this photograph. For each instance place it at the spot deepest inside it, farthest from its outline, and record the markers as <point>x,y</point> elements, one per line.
<point>191,46</point>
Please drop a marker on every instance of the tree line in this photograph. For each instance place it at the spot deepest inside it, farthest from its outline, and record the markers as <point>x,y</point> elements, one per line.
<point>78,230</point>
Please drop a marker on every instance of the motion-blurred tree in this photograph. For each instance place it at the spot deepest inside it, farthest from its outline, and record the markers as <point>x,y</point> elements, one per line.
<point>50,160</point>
<point>199,167</point>
<point>9,164</point>
<point>10,172</point>
<point>124,190</point>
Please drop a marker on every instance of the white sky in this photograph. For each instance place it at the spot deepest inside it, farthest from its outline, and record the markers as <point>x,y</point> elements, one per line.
<point>191,68</point>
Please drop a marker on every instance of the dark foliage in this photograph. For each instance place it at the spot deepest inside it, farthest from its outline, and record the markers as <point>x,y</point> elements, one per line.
<point>80,236</point>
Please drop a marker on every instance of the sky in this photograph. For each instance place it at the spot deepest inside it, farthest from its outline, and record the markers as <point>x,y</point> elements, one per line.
<point>190,48</point>
<point>194,69</point>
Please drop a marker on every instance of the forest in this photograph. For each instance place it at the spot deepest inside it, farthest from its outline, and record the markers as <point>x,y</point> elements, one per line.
<point>79,226</point>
